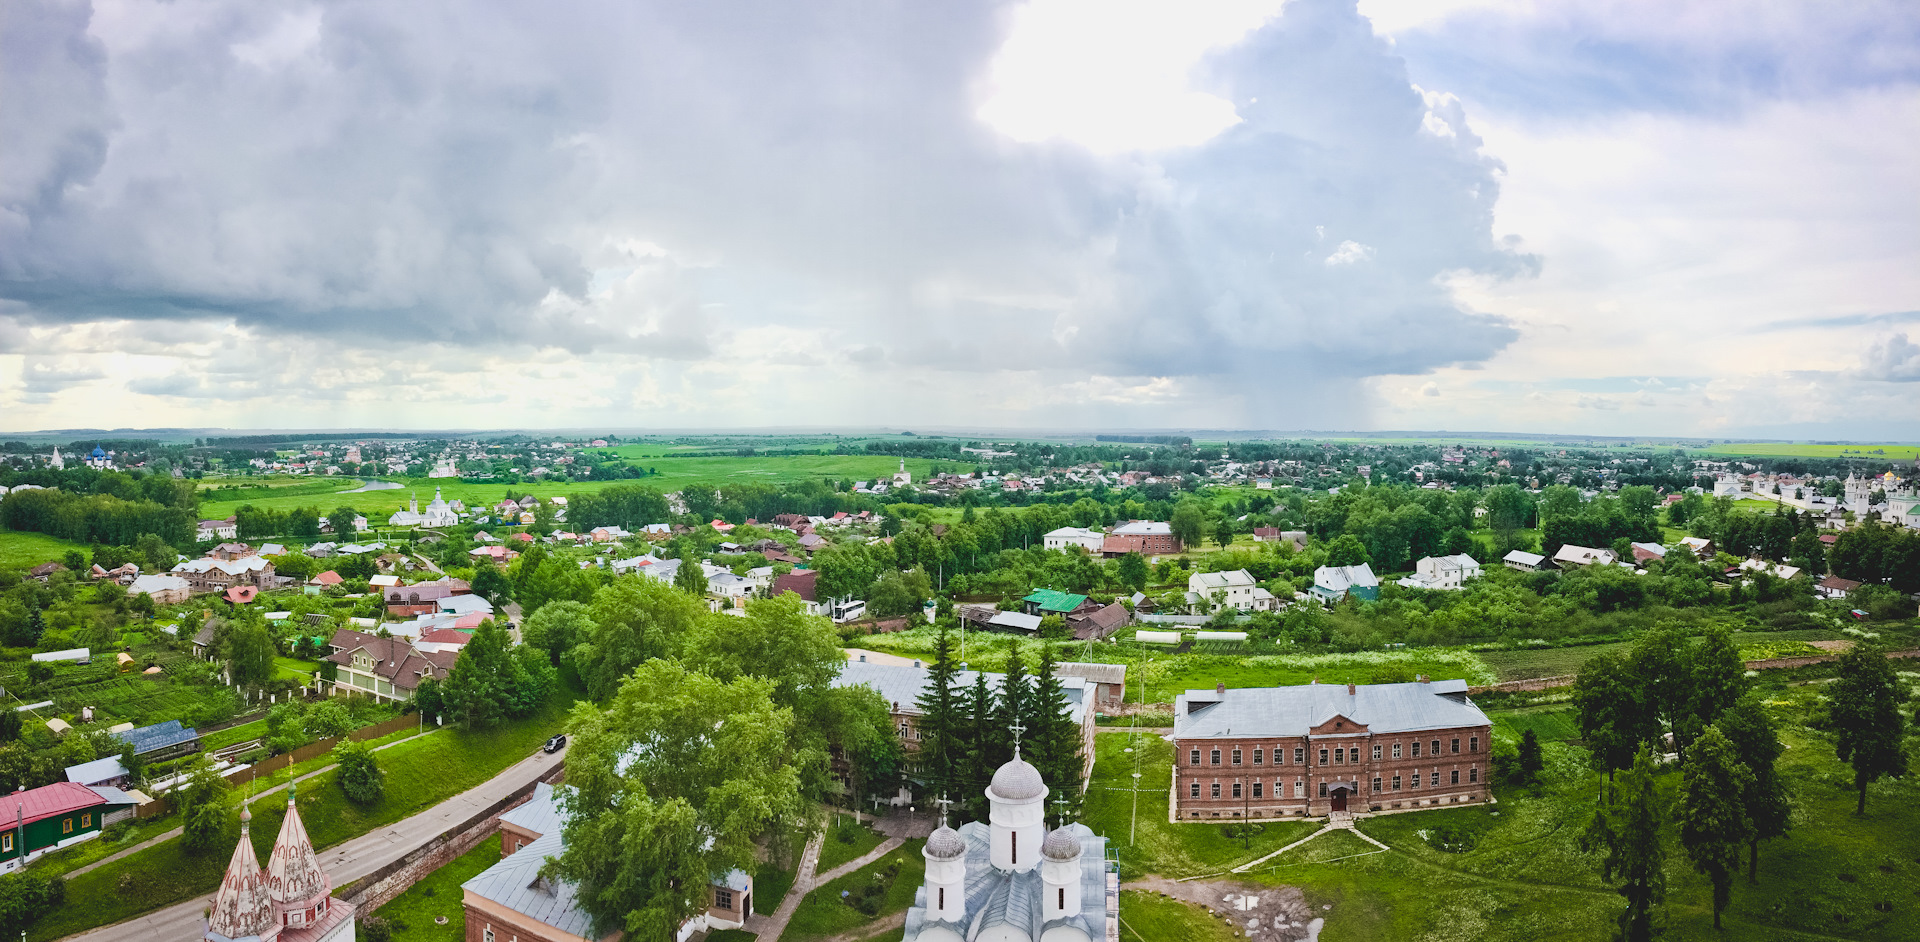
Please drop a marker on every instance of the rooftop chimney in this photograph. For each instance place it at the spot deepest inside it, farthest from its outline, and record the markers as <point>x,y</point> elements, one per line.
<point>1220,689</point>
<point>1422,678</point>
<point>1349,689</point>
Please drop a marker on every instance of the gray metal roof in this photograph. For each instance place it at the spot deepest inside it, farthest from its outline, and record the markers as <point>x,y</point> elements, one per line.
<point>997,897</point>
<point>514,883</point>
<point>1292,711</point>
<point>540,814</point>
<point>1093,672</point>
<point>99,770</point>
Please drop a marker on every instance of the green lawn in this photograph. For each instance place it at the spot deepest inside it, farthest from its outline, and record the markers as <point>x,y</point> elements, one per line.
<point>1547,662</point>
<point>1147,842</point>
<point>1888,452</point>
<point>1525,879</point>
<point>234,734</point>
<point>411,914</point>
<point>823,913</point>
<point>21,549</point>
<point>107,844</point>
<point>847,842</point>
<point>1550,724</point>
<point>1149,917</point>
<point>298,670</point>
<point>420,774</point>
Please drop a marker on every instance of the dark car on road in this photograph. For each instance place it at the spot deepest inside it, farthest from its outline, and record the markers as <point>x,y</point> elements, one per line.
<point>555,744</point>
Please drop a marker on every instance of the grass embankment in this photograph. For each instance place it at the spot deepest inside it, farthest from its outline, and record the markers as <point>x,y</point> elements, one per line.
<point>893,878</point>
<point>847,842</point>
<point>21,549</point>
<point>420,774</point>
<point>1554,662</point>
<point>1149,917</point>
<point>411,914</point>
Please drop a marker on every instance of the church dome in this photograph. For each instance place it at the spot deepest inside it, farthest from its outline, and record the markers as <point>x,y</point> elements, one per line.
<point>1062,844</point>
<point>1018,780</point>
<point>945,844</point>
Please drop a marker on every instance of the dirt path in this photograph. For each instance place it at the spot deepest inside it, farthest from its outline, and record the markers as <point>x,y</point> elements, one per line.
<point>806,881</point>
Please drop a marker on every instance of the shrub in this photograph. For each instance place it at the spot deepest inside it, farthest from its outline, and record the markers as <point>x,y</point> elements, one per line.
<point>360,776</point>
<point>25,897</point>
<point>375,929</point>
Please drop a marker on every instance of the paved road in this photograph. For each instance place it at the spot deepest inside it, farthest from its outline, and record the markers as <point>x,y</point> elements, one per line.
<point>349,861</point>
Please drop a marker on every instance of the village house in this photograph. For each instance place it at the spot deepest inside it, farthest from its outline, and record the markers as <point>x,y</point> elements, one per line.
<point>1235,590</point>
<point>57,816</point>
<point>387,669</point>
<point>1523,561</point>
<point>1834,587</point>
<point>1276,535</point>
<point>1443,572</point>
<point>211,574</point>
<point>1099,623</point>
<point>163,589</point>
<point>1333,583</point>
<point>1109,681</point>
<point>1268,752</point>
<point>1569,556</point>
<point>1085,538</point>
<point>210,530</point>
<point>1146,537</point>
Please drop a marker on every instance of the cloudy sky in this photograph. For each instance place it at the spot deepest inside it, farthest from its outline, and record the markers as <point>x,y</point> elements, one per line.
<point>1601,216</point>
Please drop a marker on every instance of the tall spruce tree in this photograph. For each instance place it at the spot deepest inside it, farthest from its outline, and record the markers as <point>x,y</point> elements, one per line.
<point>1864,704</point>
<point>941,726</point>
<point>1016,703</point>
<point>1713,813</point>
<point>1747,727</point>
<point>983,738</point>
<point>1054,736</point>
<point>1627,827</point>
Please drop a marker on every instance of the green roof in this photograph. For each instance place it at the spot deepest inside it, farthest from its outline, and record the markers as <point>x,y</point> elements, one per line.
<point>1051,601</point>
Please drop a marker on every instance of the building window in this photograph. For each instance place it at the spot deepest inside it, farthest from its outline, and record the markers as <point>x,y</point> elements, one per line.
<point>1256,789</point>
<point>1013,846</point>
<point>1193,790</point>
<point>1436,747</point>
<point>1416,749</point>
<point>1456,747</point>
<point>86,820</point>
<point>66,826</point>
<point>1236,789</point>
<point>1473,744</point>
<point>1213,757</point>
<point>1396,750</point>
<point>1396,783</point>
<point>1340,756</point>
<point>6,842</point>
<point>943,899</point>
<point>1376,752</point>
<point>1376,783</point>
<point>723,898</point>
<point>519,845</point>
<point>1416,781</point>
<point>1196,757</point>
<point>1299,756</point>
<point>1259,754</point>
<point>1323,757</point>
<point>1216,790</point>
<point>1063,898</point>
<point>1473,774</point>
<point>1236,756</point>
<point>1453,777</point>
<point>1323,789</point>
<point>488,937</point>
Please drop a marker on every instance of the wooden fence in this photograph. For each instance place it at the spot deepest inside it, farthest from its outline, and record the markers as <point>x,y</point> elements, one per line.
<point>162,805</point>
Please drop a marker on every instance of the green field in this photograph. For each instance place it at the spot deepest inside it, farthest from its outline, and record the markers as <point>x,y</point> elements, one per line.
<point>411,914</point>
<point>24,550</point>
<point>674,473</point>
<point>1549,725</point>
<point>1888,452</point>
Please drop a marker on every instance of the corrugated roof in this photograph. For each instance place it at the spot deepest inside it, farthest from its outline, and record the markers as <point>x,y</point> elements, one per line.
<point>1054,601</point>
<point>540,814</point>
<point>515,883</point>
<point>1292,711</point>
<point>1094,673</point>
<point>99,770</point>
<point>158,736</point>
<point>50,800</point>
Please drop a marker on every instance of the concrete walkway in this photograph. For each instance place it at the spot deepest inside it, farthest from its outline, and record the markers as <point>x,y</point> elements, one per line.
<point>1337,821</point>
<point>176,832</point>
<point>806,881</point>
<point>352,860</point>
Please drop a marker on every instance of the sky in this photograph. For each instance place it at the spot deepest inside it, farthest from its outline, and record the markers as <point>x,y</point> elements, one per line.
<point>1609,217</point>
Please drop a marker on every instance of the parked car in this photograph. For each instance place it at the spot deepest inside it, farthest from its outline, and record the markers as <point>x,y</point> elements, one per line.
<point>555,744</point>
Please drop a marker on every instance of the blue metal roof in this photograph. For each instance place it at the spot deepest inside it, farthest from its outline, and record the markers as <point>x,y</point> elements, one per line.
<point>158,736</point>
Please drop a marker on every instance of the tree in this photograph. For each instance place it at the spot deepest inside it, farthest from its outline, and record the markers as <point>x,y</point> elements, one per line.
<point>556,627</point>
<point>1348,551</point>
<point>428,699</point>
<point>25,897</point>
<point>942,740</point>
<point>1747,727</point>
<point>1659,664</point>
<point>1189,521</point>
<point>157,555</point>
<point>1713,816</point>
<point>1223,532</point>
<point>1717,679</point>
<point>1532,762</point>
<point>1131,570</point>
<point>1054,738</point>
<point>361,778</point>
<point>342,521</point>
<point>858,722</point>
<point>203,807</point>
<point>328,719</point>
<point>634,618</point>
<point>250,654</point>
<point>491,584</point>
<point>1016,703</point>
<point>691,577</point>
<point>898,593</point>
<point>478,687</point>
<point>778,641</point>
<point>668,786</point>
<point>1614,719</point>
<point>1863,703</point>
<point>9,726</point>
<point>1627,827</point>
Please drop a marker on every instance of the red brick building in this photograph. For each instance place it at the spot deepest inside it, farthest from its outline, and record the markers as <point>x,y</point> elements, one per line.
<point>1268,752</point>
<point>1146,537</point>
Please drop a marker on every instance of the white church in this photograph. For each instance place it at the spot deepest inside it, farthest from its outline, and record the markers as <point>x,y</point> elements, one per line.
<point>438,514</point>
<point>1012,880</point>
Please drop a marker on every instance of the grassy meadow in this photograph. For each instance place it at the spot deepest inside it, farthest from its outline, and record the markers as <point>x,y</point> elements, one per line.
<point>410,915</point>
<point>21,549</point>
<point>1885,452</point>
